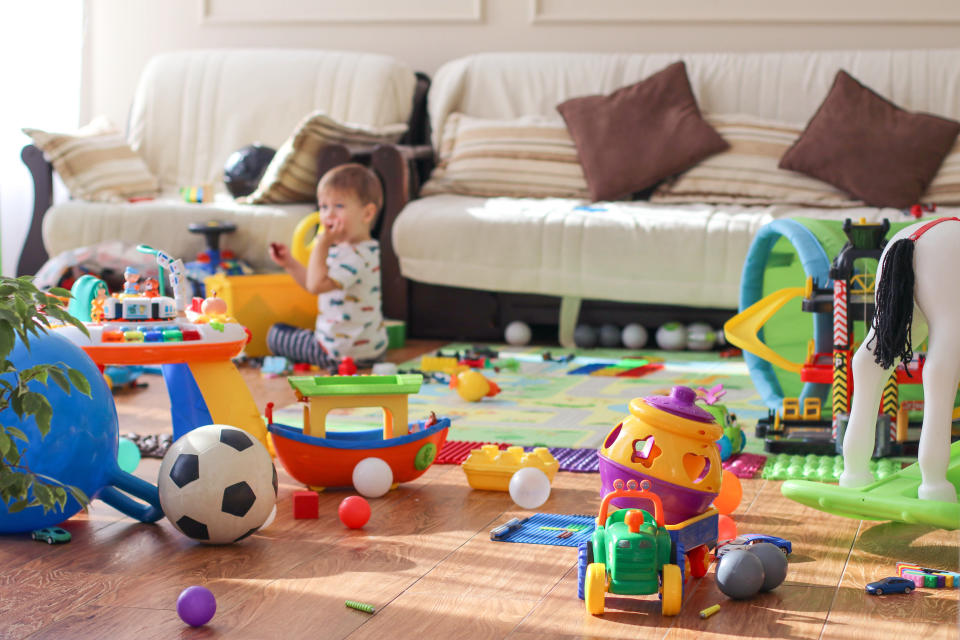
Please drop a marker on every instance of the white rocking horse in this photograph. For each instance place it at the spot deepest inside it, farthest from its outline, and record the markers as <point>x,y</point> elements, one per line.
<point>918,293</point>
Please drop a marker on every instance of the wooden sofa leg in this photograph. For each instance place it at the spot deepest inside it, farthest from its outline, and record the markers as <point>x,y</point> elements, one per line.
<point>569,312</point>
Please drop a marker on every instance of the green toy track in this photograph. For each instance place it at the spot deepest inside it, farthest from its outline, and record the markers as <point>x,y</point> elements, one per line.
<point>892,498</point>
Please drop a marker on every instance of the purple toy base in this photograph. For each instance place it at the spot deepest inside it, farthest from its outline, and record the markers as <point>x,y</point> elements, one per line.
<point>679,503</point>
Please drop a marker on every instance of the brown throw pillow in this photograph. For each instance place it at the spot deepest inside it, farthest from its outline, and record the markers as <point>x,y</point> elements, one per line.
<point>640,134</point>
<point>871,148</point>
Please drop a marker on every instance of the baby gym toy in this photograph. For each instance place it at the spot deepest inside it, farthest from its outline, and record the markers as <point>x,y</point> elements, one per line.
<point>193,348</point>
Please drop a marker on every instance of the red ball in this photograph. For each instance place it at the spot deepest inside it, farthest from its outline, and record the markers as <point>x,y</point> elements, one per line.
<point>354,512</point>
<point>727,528</point>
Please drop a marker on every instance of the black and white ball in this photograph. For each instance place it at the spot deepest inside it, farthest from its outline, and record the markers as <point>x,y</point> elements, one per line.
<point>217,484</point>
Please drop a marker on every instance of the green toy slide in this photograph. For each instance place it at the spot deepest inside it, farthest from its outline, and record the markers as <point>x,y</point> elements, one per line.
<point>893,498</point>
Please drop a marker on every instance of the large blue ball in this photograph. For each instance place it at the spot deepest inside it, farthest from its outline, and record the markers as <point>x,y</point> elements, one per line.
<point>81,446</point>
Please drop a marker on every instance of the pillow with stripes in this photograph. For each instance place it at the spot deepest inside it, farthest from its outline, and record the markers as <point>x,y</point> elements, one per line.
<point>747,172</point>
<point>96,162</point>
<point>527,157</point>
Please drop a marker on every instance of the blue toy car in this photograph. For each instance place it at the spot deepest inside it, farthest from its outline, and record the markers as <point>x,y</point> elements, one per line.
<point>890,585</point>
<point>51,535</point>
<point>744,541</point>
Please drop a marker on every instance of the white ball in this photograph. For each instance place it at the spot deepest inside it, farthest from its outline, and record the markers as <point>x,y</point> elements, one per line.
<point>672,337</point>
<point>384,369</point>
<point>517,333</point>
<point>634,336</point>
<point>701,337</point>
<point>372,477</point>
<point>529,487</point>
<point>217,484</point>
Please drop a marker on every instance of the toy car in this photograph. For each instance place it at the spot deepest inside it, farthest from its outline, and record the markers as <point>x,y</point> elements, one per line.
<point>754,538</point>
<point>892,584</point>
<point>51,535</point>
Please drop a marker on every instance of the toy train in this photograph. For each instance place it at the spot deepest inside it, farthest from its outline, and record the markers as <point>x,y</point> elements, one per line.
<point>139,308</point>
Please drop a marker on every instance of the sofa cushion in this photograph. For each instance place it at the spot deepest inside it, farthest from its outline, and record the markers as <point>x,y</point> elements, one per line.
<point>531,156</point>
<point>162,223</point>
<point>96,163</point>
<point>747,172</point>
<point>641,252</point>
<point>192,109</point>
<point>292,175</point>
<point>871,148</point>
<point>638,135</point>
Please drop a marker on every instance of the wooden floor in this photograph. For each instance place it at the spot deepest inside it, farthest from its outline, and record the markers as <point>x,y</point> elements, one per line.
<point>426,562</point>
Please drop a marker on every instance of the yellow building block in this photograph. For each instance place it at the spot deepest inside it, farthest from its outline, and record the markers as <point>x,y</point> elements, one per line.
<point>260,301</point>
<point>490,468</point>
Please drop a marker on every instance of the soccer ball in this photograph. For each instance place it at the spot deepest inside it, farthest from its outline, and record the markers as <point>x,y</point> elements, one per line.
<point>217,484</point>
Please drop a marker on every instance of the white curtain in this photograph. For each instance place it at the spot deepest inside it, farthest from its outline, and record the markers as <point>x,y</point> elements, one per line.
<point>40,63</point>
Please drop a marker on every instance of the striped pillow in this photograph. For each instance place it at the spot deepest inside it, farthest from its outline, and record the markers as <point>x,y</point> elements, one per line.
<point>945,188</point>
<point>747,172</point>
<point>529,157</point>
<point>292,175</point>
<point>96,163</point>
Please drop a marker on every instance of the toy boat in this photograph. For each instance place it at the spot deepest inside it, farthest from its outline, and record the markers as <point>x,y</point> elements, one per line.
<point>329,461</point>
<point>320,458</point>
<point>892,498</point>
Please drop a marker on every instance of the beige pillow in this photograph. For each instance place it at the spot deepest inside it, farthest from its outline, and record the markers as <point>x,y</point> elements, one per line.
<point>96,163</point>
<point>747,172</point>
<point>292,175</point>
<point>529,157</point>
<point>945,188</point>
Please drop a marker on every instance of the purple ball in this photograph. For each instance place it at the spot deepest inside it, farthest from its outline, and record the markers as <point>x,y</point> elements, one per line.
<point>196,605</point>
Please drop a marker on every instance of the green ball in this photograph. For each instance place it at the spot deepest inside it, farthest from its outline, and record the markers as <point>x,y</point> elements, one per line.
<point>128,455</point>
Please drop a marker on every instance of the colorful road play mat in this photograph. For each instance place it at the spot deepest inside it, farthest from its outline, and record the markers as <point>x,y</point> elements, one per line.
<point>543,403</point>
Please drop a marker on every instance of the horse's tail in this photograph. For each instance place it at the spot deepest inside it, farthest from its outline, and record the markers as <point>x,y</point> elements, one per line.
<point>893,318</point>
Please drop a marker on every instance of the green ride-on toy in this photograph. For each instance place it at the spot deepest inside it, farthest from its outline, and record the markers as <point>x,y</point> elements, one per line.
<point>630,553</point>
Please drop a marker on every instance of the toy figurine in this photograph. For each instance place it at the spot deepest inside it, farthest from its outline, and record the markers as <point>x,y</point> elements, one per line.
<point>151,288</point>
<point>918,292</point>
<point>131,277</point>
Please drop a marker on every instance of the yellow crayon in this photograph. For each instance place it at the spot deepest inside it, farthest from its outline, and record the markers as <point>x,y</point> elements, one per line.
<point>709,611</point>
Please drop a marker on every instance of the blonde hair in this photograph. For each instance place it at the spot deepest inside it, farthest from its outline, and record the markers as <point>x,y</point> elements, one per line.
<point>356,179</point>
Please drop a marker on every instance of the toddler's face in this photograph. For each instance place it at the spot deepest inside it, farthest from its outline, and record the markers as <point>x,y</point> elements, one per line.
<point>345,208</point>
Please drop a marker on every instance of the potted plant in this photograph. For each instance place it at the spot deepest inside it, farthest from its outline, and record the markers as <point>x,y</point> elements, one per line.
<point>27,312</point>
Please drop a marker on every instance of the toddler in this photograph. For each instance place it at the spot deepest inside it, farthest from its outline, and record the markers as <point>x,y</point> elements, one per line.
<point>344,270</point>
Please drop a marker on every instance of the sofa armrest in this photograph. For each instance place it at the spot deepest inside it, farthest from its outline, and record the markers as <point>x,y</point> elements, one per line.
<point>33,254</point>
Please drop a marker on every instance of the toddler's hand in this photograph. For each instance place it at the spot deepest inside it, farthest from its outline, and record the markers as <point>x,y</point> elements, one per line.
<point>280,254</point>
<point>334,232</point>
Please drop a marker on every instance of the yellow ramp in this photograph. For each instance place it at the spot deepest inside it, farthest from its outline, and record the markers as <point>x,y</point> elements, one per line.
<point>743,329</point>
<point>228,398</point>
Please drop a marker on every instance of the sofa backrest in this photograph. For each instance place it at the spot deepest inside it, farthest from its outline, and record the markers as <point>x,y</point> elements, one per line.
<point>192,109</point>
<point>781,86</point>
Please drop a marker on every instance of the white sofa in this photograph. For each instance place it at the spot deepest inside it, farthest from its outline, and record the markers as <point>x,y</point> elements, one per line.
<point>191,110</point>
<point>635,252</point>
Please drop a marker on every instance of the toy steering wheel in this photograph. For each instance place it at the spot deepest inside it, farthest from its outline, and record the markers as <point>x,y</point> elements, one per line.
<point>300,248</point>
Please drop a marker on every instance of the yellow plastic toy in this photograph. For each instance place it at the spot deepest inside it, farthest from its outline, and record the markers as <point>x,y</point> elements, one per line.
<point>473,386</point>
<point>299,247</point>
<point>670,442</point>
<point>490,469</point>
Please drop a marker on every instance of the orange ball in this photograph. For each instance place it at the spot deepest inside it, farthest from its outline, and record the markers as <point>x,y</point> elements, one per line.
<point>730,494</point>
<point>727,528</point>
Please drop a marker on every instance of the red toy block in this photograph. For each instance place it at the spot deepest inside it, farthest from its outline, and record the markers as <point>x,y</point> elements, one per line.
<point>306,505</point>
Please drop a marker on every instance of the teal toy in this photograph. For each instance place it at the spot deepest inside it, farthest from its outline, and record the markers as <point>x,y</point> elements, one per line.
<point>84,291</point>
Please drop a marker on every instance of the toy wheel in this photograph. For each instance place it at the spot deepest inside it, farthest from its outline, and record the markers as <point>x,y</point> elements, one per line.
<point>907,589</point>
<point>879,592</point>
<point>595,587</point>
<point>699,559</point>
<point>49,540</point>
<point>672,590</point>
<point>425,456</point>
<point>584,559</point>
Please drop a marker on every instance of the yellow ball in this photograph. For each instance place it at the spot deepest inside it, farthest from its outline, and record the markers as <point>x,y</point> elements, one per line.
<point>472,386</point>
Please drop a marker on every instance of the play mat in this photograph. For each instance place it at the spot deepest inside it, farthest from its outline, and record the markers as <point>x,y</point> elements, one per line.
<point>542,403</point>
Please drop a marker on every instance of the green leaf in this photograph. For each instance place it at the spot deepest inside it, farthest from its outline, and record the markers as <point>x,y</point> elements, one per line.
<point>79,495</point>
<point>60,291</point>
<point>43,415</point>
<point>79,381</point>
<point>60,495</point>
<point>16,433</point>
<point>57,375</point>
<point>5,443</point>
<point>43,495</point>
<point>13,457</point>
<point>17,506</point>
<point>21,308</point>
<point>6,338</point>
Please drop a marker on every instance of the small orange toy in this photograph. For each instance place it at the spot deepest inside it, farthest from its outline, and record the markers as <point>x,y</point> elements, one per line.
<point>473,386</point>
